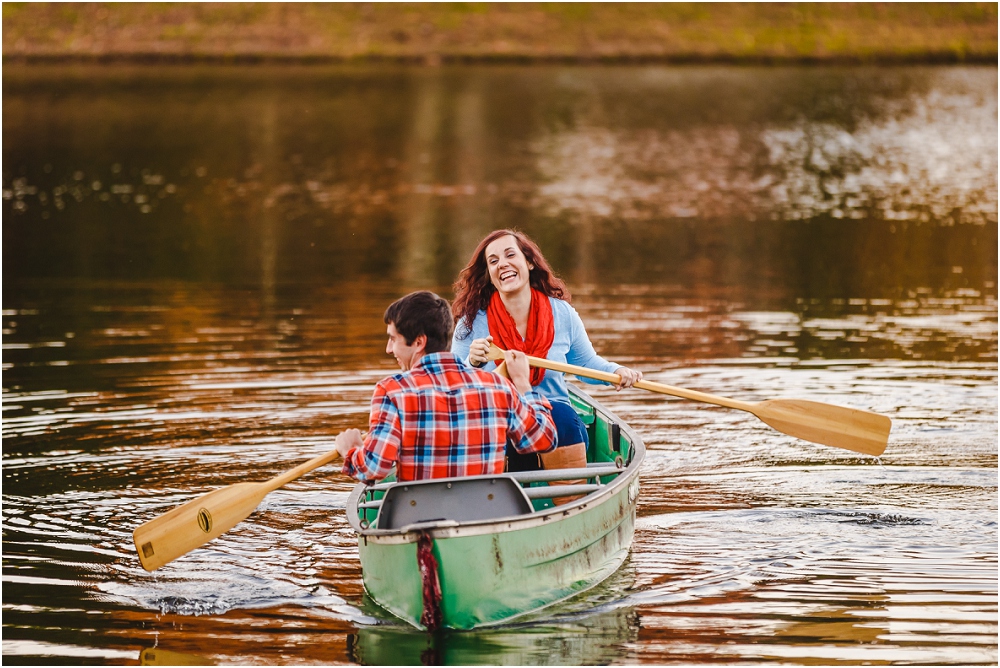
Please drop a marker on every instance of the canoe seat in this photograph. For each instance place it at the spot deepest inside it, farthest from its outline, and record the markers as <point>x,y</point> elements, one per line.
<point>457,499</point>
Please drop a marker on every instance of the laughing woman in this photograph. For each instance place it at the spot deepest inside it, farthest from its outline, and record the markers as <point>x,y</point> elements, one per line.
<point>508,295</point>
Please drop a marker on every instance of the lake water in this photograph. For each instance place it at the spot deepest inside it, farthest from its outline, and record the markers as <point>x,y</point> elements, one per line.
<point>196,261</point>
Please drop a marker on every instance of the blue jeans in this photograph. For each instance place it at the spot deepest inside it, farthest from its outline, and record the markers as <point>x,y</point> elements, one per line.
<point>570,430</point>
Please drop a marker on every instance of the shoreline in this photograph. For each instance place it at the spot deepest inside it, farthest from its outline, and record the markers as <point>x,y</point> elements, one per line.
<point>938,58</point>
<point>501,33</point>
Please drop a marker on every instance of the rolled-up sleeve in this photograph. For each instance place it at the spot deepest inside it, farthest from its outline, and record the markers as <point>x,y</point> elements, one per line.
<point>380,451</point>
<point>461,343</point>
<point>529,425</point>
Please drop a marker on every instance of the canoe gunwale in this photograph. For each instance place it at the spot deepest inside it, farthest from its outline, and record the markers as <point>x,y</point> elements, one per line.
<point>451,529</point>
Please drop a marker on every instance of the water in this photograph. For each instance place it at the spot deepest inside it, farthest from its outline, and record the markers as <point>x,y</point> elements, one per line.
<point>196,262</point>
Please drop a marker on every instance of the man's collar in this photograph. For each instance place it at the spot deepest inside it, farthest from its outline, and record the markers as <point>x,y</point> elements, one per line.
<point>430,360</point>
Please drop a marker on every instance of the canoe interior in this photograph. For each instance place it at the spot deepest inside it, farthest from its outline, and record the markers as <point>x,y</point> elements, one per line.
<point>607,445</point>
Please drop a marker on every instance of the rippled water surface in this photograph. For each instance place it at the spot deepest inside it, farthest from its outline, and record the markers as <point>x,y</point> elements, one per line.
<point>196,262</point>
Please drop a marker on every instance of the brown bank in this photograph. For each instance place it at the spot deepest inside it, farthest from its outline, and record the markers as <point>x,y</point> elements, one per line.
<point>432,33</point>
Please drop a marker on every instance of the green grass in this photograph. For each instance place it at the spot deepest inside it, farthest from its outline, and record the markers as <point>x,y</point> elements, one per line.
<point>656,31</point>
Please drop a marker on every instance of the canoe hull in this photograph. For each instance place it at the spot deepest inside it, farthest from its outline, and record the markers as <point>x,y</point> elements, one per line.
<point>491,578</point>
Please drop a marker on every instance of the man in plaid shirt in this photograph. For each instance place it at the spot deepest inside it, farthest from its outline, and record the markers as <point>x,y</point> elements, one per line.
<point>441,418</point>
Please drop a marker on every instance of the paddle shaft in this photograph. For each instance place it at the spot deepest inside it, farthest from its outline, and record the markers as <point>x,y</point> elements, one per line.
<point>613,378</point>
<point>300,470</point>
<point>660,388</point>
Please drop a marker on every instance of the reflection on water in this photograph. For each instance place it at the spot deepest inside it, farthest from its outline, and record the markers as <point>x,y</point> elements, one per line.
<point>320,175</point>
<point>588,639</point>
<point>196,266</point>
<point>923,154</point>
<point>162,657</point>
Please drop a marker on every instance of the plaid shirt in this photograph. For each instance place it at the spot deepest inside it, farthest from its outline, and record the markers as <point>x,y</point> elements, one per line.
<point>443,419</point>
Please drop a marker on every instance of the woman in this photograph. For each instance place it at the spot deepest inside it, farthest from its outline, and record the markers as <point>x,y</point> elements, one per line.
<point>508,295</point>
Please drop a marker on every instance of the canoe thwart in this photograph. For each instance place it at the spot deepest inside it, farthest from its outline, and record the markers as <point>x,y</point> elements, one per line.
<point>593,469</point>
<point>560,491</point>
<point>565,474</point>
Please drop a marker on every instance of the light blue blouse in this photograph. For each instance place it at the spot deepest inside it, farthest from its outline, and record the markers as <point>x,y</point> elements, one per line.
<point>570,344</point>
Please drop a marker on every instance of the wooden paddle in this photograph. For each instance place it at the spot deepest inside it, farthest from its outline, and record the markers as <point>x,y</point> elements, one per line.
<point>849,428</point>
<point>177,532</point>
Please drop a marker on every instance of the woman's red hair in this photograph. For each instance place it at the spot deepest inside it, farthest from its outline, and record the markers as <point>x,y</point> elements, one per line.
<point>473,289</point>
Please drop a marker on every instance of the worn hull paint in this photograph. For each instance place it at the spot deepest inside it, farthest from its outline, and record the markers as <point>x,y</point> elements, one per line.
<point>491,578</point>
<point>492,572</point>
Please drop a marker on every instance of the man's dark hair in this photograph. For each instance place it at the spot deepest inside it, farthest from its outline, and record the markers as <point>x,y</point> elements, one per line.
<point>422,313</point>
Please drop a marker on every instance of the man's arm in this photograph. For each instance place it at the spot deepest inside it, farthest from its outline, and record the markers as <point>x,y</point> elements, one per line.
<point>373,459</point>
<point>529,424</point>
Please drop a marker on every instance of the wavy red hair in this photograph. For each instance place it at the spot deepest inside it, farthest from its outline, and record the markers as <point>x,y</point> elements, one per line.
<point>473,289</point>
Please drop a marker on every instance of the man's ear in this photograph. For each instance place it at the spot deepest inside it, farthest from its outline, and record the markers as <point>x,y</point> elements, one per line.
<point>420,343</point>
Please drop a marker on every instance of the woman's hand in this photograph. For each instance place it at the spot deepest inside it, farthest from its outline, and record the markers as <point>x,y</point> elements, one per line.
<point>479,350</point>
<point>629,377</point>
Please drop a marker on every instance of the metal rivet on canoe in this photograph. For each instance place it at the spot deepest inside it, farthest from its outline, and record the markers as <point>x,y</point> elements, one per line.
<point>413,502</point>
<point>489,497</point>
<point>449,485</point>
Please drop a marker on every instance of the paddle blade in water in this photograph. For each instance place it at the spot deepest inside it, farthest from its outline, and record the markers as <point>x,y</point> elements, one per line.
<point>850,428</point>
<point>173,534</point>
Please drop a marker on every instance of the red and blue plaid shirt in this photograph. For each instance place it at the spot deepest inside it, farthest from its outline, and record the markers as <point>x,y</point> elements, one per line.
<point>443,419</point>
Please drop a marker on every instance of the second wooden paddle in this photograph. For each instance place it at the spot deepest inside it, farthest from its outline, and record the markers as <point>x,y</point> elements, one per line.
<point>849,428</point>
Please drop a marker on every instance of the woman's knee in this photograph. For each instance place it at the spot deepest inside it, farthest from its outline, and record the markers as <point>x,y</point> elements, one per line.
<point>569,427</point>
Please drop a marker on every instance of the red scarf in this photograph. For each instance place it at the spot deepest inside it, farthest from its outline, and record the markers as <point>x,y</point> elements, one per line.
<point>540,333</point>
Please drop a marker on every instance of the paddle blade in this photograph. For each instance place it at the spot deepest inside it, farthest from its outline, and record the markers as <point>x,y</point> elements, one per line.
<point>177,532</point>
<point>848,428</point>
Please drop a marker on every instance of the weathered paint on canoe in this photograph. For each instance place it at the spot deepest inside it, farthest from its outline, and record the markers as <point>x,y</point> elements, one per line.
<point>492,571</point>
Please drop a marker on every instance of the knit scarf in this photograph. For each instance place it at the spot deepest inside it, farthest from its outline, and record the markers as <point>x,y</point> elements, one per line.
<point>540,333</point>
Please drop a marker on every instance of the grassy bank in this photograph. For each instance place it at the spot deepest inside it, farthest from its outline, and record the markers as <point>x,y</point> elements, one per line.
<point>822,32</point>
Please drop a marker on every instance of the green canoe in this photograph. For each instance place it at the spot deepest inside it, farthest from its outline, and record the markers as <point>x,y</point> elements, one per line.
<point>500,547</point>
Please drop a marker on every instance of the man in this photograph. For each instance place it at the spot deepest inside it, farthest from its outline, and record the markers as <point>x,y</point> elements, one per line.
<point>441,418</point>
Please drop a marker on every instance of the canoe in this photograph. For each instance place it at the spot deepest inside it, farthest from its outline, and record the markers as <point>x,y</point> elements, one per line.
<point>492,548</point>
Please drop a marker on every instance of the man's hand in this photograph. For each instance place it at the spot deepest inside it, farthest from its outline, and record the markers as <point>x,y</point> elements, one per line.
<point>517,367</point>
<point>347,440</point>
